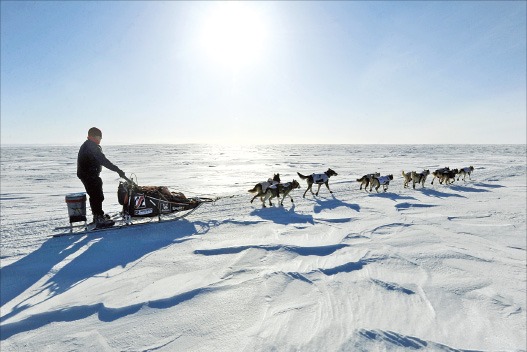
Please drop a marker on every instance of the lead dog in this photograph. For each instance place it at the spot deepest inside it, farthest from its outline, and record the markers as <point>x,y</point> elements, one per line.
<point>284,189</point>
<point>383,181</point>
<point>366,179</point>
<point>419,178</point>
<point>464,172</point>
<point>261,188</point>
<point>319,179</point>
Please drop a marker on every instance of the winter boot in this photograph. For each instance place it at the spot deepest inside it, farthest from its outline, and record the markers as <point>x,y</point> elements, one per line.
<point>102,222</point>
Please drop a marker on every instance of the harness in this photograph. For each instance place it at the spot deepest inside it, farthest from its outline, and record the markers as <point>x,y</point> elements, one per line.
<point>268,184</point>
<point>383,180</point>
<point>320,178</point>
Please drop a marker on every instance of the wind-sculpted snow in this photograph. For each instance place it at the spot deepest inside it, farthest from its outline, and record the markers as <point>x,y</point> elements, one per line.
<point>439,268</point>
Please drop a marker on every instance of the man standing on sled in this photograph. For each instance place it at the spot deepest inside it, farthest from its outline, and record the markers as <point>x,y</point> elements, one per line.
<point>89,165</point>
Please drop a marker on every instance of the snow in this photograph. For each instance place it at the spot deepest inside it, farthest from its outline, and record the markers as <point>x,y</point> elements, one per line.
<point>435,268</point>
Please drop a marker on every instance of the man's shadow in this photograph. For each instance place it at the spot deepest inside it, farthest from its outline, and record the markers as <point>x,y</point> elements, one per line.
<point>105,251</point>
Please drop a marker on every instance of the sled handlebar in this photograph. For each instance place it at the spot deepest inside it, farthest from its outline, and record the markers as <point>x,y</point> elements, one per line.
<point>129,181</point>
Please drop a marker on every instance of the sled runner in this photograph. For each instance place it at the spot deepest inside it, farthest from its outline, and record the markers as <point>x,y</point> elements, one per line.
<point>139,202</point>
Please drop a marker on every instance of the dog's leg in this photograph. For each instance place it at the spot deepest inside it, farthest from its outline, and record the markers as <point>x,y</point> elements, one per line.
<point>283,197</point>
<point>327,186</point>
<point>271,197</point>
<point>318,189</point>
<point>308,189</point>
<point>256,196</point>
<point>267,195</point>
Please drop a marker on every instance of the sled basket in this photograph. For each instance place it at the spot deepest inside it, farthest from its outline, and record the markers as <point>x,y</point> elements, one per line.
<point>149,201</point>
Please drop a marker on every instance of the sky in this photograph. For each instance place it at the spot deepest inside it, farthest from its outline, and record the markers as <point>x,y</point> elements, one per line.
<point>343,72</point>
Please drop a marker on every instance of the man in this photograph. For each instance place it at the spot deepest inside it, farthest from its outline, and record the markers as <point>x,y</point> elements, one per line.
<point>89,165</point>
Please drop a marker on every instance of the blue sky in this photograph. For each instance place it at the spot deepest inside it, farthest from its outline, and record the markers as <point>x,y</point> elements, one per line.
<point>264,72</point>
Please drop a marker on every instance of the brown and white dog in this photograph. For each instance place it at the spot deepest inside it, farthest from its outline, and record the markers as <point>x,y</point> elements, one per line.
<point>383,181</point>
<point>437,174</point>
<point>419,178</point>
<point>261,188</point>
<point>407,178</point>
<point>274,191</point>
<point>366,179</point>
<point>448,177</point>
<point>464,172</point>
<point>319,179</point>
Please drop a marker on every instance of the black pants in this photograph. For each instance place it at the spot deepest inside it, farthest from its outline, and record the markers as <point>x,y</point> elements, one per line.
<point>93,186</point>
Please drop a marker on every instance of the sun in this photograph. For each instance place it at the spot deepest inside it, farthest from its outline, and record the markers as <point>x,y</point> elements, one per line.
<point>233,34</point>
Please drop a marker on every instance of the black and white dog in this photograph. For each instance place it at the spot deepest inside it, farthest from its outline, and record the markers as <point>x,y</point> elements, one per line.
<point>383,181</point>
<point>274,191</point>
<point>319,179</point>
<point>261,188</point>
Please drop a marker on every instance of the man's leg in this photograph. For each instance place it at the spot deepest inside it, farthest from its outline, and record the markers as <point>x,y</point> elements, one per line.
<point>93,187</point>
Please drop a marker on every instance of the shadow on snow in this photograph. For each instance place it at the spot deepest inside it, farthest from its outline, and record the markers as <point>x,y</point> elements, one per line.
<point>280,215</point>
<point>103,252</point>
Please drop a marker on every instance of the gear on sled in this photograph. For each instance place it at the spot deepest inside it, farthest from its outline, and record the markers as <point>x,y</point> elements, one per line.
<point>149,201</point>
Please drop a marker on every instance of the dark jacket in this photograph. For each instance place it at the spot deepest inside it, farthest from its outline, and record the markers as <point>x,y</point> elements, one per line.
<point>91,160</point>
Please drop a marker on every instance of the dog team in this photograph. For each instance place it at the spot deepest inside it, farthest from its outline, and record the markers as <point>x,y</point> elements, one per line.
<point>274,188</point>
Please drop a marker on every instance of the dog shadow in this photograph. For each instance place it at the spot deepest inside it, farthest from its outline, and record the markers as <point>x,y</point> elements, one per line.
<point>390,195</point>
<point>281,215</point>
<point>439,194</point>
<point>462,188</point>
<point>487,185</point>
<point>332,203</point>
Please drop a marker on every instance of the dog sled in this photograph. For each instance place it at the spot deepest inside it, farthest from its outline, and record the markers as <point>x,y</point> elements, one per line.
<point>140,205</point>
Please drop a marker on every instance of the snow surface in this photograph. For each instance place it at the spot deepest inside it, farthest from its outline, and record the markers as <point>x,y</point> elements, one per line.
<point>439,268</point>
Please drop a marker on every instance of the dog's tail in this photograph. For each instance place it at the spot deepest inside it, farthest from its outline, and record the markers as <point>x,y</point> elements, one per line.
<point>254,190</point>
<point>404,175</point>
<point>302,176</point>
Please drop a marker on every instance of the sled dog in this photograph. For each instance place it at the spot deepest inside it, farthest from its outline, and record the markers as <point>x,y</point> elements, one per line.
<point>383,181</point>
<point>448,177</point>
<point>437,174</point>
<point>366,179</point>
<point>319,179</point>
<point>283,189</point>
<point>464,172</point>
<point>407,178</point>
<point>419,178</point>
<point>261,187</point>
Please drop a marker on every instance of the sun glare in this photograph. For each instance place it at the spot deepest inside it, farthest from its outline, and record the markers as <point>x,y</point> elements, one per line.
<point>233,34</point>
